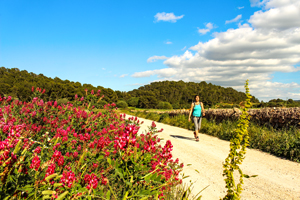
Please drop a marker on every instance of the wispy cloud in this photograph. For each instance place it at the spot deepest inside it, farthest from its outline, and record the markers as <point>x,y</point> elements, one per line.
<point>123,75</point>
<point>167,17</point>
<point>168,42</point>
<point>208,26</point>
<point>258,3</point>
<point>183,48</point>
<point>240,7</point>
<point>155,58</point>
<point>103,68</point>
<point>233,20</point>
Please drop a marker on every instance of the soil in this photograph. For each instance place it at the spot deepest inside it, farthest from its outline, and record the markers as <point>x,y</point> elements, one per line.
<point>277,178</point>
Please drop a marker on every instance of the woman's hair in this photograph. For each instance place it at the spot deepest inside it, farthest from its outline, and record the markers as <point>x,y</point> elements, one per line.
<point>196,96</point>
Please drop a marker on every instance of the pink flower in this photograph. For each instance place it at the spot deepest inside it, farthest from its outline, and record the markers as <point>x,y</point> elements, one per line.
<point>35,163</point>
<point>50,170</point>
<point>68,178</point>
<point>153,125</point>
<point>75,154</point>
<point>91,180</point>
<point>38,150</point>
<point>60,161</point>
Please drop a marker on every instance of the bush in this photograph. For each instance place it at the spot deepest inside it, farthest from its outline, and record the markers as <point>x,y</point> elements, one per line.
<point>164,105</point>
<point>122,104</point>
<point>62,101</point>
<point>133,101</point>
<point>102,103</point>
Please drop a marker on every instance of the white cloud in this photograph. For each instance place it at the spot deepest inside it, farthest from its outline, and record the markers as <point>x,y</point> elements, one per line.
<point>282,15</point>
<point>183,48</point>
<point>103,68</point>
<point>168,42</point>
<point>269,43</point>
<point>168,17</point>
<point>209,26</point>
<point>240,7</point>
<point>155,58</point>
<point>233,20</point>
<point>123,75</point>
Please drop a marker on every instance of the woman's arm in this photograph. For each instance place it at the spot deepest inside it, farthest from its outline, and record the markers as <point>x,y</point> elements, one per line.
<point>191,110</point>
<point>203,111</point>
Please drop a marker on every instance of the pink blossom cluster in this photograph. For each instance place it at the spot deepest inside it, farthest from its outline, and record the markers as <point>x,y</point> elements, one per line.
<point>68,178</point>
<point>91,181</point>
<point>35,163</point>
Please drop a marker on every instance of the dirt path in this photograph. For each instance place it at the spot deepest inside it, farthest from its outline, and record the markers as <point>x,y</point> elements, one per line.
<point>277,178</point>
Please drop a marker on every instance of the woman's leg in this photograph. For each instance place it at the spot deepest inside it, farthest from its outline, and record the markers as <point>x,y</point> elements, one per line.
<point>199,124</point>
<point>196,122</point>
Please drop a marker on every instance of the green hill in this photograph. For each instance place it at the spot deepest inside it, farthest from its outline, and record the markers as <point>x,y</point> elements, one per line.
<point>180,94</point>
<point>176,94</point>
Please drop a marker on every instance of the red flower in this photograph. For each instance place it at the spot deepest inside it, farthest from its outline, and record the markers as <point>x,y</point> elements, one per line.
<point>35,163</point>
<point>68,178</point>
<point>38,150</point>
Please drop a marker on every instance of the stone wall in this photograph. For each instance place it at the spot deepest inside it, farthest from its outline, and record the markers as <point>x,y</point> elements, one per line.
<point>275,117</point>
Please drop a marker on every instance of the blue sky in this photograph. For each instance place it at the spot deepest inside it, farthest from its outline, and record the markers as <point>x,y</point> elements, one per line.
<point>126,44</point>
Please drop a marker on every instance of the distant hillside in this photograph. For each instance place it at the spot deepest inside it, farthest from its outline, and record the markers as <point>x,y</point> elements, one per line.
<point>180,94</point>
<point>18,84</point>
<point>166,94</point>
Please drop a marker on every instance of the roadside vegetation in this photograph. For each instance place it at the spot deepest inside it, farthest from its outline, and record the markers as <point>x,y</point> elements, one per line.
<point>280,142</point>
<point>76,151</point>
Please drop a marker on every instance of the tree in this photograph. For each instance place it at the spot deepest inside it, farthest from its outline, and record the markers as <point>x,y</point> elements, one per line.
<point>133,101</point>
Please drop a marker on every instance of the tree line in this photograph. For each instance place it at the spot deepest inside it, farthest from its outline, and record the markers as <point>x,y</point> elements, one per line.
<point>164,94</point>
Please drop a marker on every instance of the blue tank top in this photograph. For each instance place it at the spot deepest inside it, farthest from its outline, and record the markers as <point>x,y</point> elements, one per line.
<point>197,110</point>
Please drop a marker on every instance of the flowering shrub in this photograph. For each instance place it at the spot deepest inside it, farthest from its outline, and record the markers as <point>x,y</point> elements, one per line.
<point>74,151</point>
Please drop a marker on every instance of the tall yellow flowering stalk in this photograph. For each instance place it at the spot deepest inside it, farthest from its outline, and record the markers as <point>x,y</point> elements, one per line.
<point>238,145</point>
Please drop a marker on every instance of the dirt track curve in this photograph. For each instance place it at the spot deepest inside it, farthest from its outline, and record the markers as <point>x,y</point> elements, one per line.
<point>277,178</point>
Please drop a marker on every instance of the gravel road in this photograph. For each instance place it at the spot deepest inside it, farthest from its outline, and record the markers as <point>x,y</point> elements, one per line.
<point>277,178</point>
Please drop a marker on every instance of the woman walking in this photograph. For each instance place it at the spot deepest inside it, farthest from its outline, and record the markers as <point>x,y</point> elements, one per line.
<point>197,109</point>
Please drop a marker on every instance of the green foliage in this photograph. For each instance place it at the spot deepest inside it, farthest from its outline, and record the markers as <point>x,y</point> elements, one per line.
<point>164,105</point>
<point>238,144</point>
<point>278,103</point>
<point>133,101</point>
<point>147,102</point>
<point>122,104</point>
<point>181,94</point>
<point>62,101</point>
<point>17,84</point>
<point>101,103</point>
